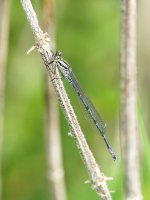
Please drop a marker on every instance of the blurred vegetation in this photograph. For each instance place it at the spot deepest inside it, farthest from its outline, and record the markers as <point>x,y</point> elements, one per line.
<point>87,33</point>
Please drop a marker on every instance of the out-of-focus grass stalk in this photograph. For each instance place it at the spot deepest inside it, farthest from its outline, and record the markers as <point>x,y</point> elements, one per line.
<point>128,114</point>
<point>55,169</point>
<point>4,32</point>
<point>145,144</point>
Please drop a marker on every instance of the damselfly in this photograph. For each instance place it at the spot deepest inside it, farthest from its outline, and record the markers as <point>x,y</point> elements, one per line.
<point>66,71</point>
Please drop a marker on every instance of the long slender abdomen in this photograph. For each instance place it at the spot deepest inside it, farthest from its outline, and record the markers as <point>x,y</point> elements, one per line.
<point>91,114</point>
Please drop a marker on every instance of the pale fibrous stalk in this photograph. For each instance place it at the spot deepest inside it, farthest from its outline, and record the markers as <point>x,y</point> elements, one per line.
<point>55,171</point>
<point>128,118</point>
<point>97,179</point>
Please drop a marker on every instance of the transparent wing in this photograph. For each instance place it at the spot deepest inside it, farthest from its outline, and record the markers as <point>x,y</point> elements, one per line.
<point>96,115</point>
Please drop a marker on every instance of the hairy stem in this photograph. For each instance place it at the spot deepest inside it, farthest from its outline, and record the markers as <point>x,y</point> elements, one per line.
<point>98,180</point>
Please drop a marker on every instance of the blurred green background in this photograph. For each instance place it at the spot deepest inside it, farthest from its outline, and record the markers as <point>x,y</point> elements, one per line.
<point>87,33</point>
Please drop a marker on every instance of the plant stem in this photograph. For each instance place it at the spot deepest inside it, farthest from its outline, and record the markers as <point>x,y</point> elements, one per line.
<point>98,180</point>
<point>55,169</point>
<point>4,33</point>
<point>128,115</point>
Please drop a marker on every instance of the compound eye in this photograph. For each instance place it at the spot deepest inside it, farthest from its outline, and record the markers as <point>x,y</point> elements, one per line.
<point>59,53</point>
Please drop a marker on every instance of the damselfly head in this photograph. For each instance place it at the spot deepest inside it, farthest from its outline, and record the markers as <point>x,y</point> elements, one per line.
<point>58,54</point>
